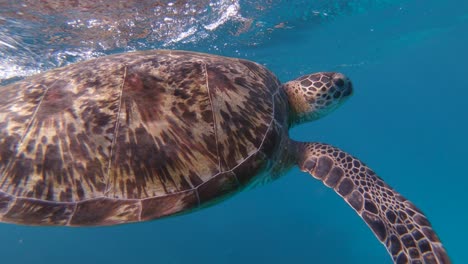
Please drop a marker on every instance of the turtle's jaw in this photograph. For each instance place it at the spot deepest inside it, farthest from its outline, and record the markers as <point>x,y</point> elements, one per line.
<point>321,112</point>
<point>317,113</point>
<point>315,95</point>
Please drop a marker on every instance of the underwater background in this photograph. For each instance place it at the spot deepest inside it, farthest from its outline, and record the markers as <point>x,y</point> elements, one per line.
<point>408,120</point>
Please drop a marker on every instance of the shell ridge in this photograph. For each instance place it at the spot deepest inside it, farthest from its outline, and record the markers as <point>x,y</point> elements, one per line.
<point>215,128</point>
<point>116,131</point>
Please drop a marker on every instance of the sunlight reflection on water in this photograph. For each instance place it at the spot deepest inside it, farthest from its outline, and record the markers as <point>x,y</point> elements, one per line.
<point>39,35</point>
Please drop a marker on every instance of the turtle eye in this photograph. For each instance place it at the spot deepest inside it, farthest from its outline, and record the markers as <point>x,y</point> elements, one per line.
<point>339,82</point>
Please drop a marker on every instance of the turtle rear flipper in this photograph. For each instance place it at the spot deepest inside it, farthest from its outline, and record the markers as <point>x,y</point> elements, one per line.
<point>397,223</point>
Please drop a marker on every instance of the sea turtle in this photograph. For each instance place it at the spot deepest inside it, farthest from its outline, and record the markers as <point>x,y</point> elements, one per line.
<point>138,136</point>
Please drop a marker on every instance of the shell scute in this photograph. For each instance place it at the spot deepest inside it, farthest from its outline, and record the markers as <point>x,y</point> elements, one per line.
<point>5,201</point>
<point>57,153</point>
<point>17,107</point>
<point>164,140</point>
<point>105,211</point>
<point>169,204</point>
<point>241,92</point>
<point>133,137</point>
<point>38,212</point>
<point>218,186</point>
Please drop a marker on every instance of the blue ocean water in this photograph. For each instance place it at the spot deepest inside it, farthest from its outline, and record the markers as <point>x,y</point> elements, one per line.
<point>407,120</point>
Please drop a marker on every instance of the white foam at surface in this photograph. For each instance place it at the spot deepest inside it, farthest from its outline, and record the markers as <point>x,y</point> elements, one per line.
<point>232,11</point>
<point>39,35</point>
<point>45,39</point>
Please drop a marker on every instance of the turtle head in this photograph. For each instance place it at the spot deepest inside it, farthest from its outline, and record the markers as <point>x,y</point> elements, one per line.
<point>315,95</point>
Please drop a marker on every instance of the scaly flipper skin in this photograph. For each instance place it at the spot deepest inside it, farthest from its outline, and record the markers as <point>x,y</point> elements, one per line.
<point>397,223</point>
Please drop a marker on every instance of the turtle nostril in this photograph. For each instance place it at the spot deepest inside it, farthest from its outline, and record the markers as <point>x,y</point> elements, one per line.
<point>339,79</point>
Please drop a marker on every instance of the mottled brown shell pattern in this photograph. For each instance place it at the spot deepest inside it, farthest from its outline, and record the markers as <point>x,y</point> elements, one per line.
<point>133,137</point>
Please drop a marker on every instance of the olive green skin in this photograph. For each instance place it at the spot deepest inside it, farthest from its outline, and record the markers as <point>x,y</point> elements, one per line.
<point>136,136</point>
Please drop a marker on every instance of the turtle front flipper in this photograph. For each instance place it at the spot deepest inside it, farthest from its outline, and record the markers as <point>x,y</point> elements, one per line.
<point>397,223</point>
